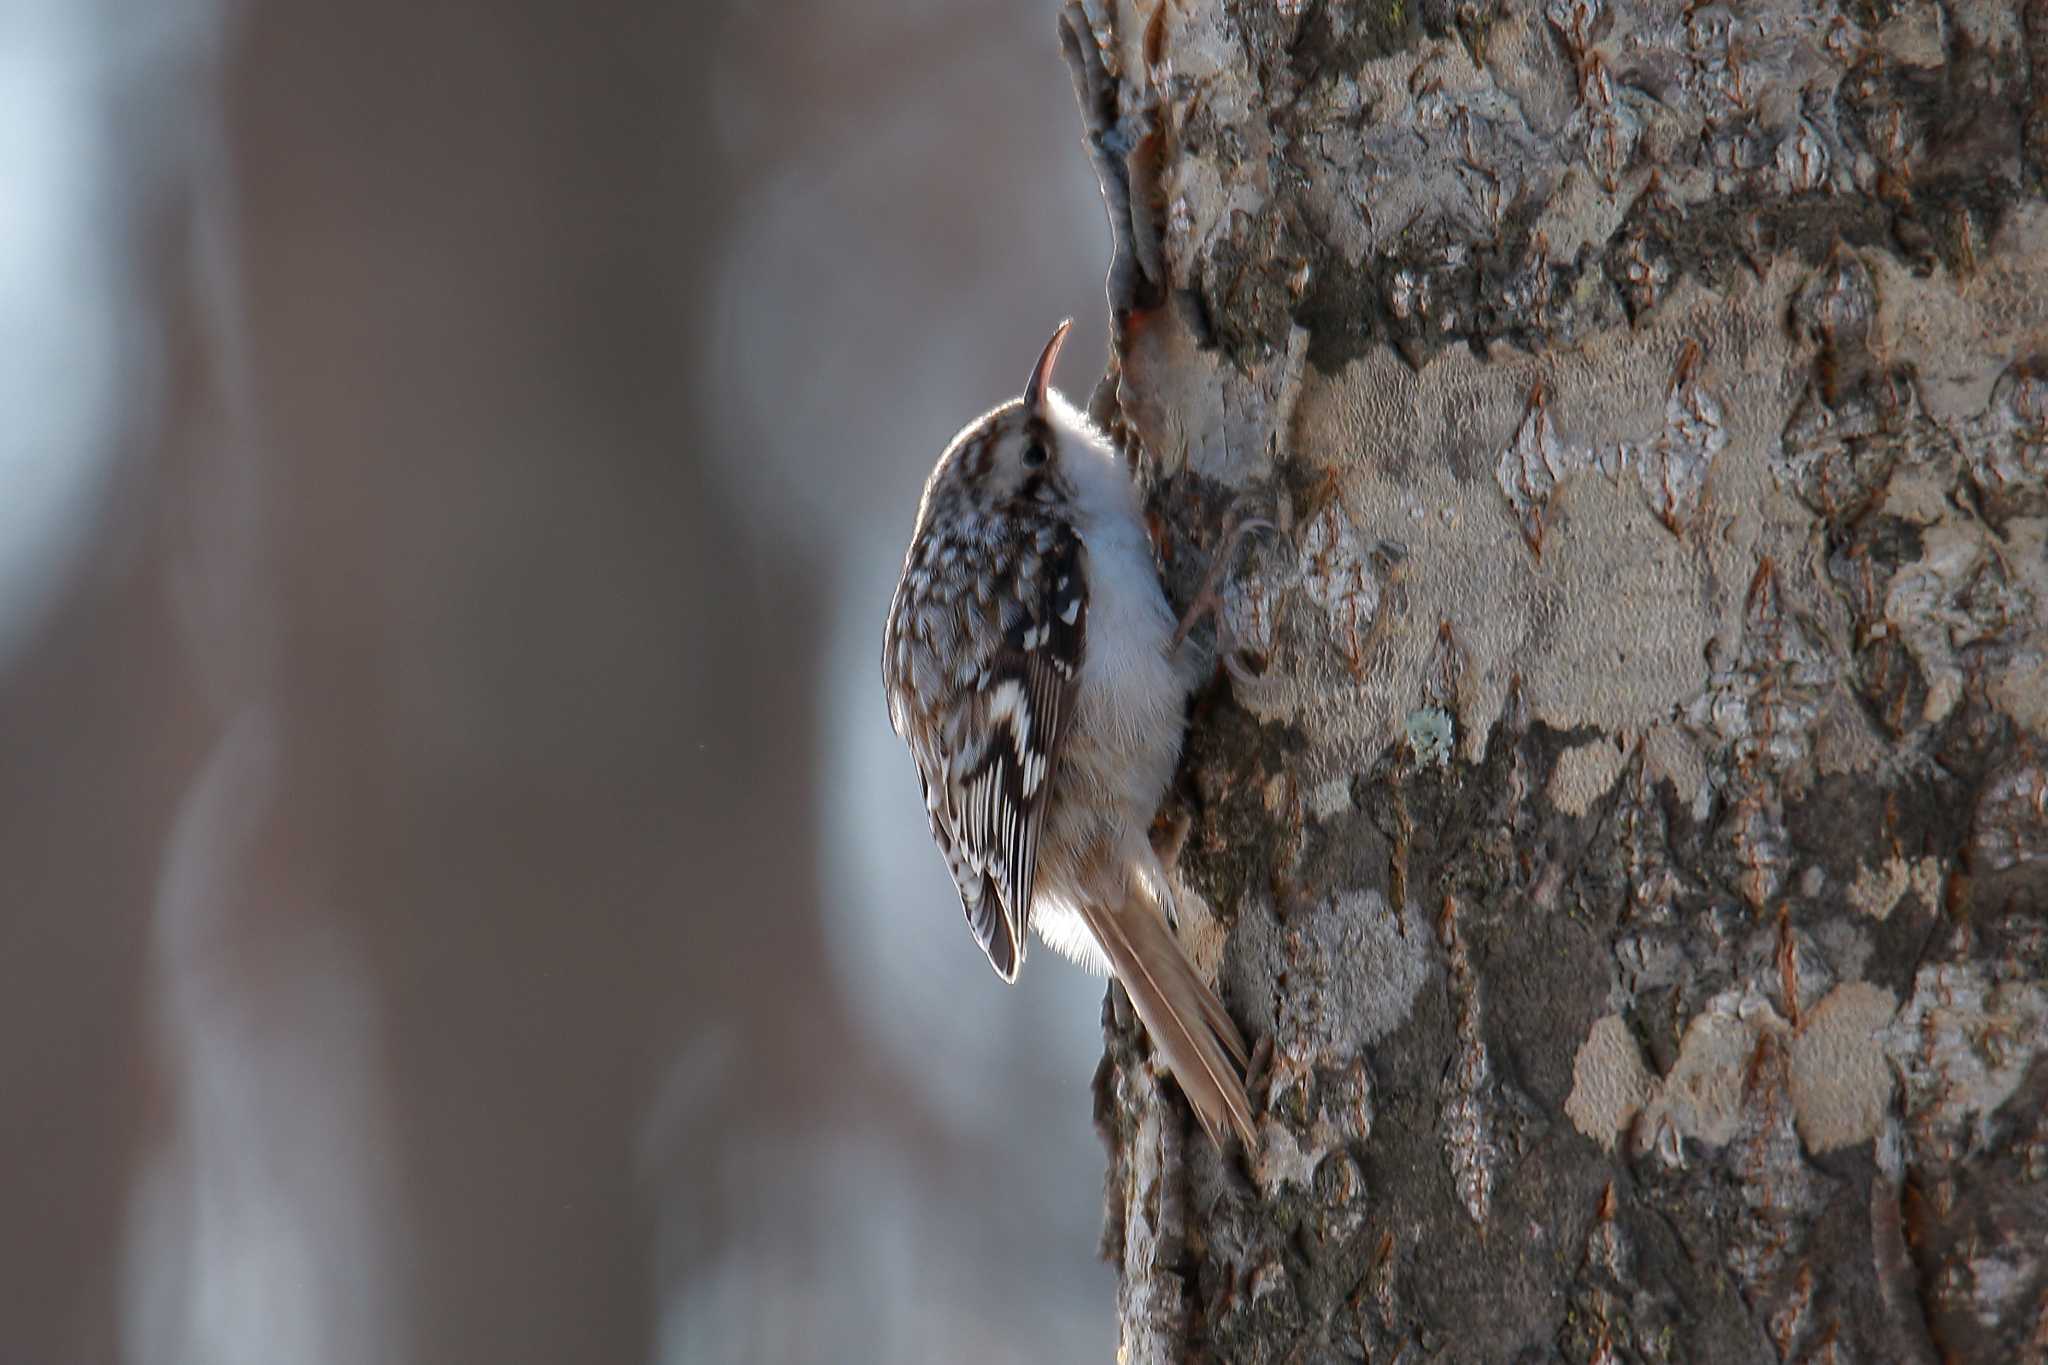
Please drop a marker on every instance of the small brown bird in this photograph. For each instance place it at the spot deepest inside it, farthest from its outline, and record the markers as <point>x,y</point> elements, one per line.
<point>1031,667</point>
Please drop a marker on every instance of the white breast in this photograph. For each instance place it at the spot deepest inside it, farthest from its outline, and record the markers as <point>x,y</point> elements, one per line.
<point>1123,740</point>
<point>1131,696</point>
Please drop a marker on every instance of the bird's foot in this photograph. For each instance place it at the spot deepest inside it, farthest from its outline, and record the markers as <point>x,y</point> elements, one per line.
<point>1209,597</point>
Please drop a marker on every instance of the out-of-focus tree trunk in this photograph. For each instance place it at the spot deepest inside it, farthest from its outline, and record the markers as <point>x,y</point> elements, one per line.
<point>1629,839</point>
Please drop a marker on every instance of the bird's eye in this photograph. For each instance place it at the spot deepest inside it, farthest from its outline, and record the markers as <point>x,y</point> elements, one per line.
<point>1034,455</point>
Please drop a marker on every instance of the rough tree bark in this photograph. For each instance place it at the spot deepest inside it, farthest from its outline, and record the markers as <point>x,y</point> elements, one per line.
<point>1629,837</point>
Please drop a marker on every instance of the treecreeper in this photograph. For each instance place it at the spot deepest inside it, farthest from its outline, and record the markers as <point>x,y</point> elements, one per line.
<point>1034,669</point>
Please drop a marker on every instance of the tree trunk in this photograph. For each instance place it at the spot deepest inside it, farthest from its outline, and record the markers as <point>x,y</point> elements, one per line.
<point>1627,833</point>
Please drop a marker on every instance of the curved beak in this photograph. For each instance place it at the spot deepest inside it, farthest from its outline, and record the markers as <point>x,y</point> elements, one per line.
<point>1041,373</point>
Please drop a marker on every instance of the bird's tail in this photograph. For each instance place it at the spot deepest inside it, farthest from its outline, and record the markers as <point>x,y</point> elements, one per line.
<point>1186,1021</point>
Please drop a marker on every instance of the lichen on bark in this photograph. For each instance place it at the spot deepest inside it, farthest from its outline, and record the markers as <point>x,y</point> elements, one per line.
<point>1626,820</point>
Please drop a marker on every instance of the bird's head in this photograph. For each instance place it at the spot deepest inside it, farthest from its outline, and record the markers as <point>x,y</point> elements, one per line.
<point>1019,453</point>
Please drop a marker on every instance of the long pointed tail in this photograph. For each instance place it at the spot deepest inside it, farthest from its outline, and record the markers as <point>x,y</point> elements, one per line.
<point>1187,1022</point>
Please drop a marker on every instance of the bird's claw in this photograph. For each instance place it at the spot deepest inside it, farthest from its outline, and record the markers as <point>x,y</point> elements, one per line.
<point>1208,599</point>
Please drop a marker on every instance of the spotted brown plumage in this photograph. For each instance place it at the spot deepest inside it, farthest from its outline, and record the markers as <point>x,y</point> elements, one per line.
<point>983,653</point>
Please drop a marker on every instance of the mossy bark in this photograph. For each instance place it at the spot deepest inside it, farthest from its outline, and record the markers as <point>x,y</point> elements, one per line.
<point>1627,829</point>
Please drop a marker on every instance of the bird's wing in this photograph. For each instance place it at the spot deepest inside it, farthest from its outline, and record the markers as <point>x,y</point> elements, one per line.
<point>989,751</point>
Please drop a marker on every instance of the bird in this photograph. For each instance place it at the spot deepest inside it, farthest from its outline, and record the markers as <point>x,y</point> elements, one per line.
<point>1033,667</point>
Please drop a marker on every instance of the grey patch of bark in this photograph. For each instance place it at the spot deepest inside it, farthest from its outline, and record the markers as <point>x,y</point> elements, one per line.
<point>1653,398</point>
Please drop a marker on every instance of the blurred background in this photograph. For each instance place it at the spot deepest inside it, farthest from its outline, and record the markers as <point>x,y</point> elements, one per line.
<point>463,901</point>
